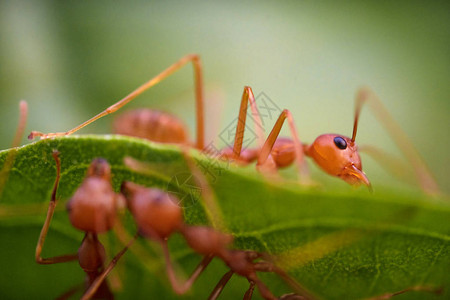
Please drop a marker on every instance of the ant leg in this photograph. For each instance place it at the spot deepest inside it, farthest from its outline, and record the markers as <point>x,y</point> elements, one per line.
<point>436,291</point>
<point>266,266</point>
<point>263,289</point>
<point>99,280</point>
<point>23,108</point>
<point>211,207</point>
<point>48,219</point>
<point>390,163</point>
<point>423,175</point>
<point>249,293</point>
<point>70,292</point>
<point>220,285</point>
<point>247,97</point>
<point>181,288</point>
<point>198,78</point>
<point>7,165</point>
<point>299,153</point>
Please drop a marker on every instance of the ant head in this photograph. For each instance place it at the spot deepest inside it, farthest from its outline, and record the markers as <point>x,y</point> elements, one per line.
<point>154,211</point>
<point>93,207</point>
<point>206,241</point>
<point>338,156</point>
<point>99,168</point>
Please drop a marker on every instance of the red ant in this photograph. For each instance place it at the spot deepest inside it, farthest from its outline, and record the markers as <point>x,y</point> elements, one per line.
<point>151,124</point>
<point>92,209</point>
<point>337,155</point>
<point>158,217</point>
<point>159,126</point>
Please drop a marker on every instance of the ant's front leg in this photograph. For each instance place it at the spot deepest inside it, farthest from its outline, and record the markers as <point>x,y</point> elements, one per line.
<point>48,219</point>
<point>181,288</point>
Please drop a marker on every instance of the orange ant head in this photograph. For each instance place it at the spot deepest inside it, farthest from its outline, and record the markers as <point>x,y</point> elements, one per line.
<point>99,168</point>
<point>154,211</point>
<point>93,207</point>
<point>338,156</point>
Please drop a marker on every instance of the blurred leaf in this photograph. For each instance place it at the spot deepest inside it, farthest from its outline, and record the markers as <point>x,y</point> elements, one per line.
<point>339,245</point>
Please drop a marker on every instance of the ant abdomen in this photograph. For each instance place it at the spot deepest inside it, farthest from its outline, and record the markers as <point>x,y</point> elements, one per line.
<point>152,125</point>
<point>205,240</point>
<point>155,212</point>
<point>93,207</point>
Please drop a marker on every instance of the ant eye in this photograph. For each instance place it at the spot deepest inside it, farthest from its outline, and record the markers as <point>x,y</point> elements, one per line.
<point>340,142</point>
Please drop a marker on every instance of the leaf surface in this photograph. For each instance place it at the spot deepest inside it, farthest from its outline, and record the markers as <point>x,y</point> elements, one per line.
<point>338,245</point>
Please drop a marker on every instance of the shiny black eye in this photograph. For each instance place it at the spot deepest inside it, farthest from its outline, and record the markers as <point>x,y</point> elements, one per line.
<point>340,143</point>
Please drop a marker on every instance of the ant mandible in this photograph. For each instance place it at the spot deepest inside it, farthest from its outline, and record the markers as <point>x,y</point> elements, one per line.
<point>92,209</point>
<point>337,155</point>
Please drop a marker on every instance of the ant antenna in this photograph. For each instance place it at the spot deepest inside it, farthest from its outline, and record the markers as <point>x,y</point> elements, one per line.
<point>358,106</point>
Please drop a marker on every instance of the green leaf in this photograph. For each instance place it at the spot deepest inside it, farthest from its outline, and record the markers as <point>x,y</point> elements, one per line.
<point>338,245</point>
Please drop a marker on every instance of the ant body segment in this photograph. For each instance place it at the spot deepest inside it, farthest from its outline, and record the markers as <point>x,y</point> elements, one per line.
<point>92,209</point>
<point>158,217</point>
<point>335,154</point>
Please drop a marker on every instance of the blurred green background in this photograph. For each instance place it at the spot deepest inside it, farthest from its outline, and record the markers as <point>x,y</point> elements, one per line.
<point>72,59</point>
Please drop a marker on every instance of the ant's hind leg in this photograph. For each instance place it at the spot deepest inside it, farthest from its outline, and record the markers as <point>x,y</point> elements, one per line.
<point>390,163</point>
<point>267,266</point>
<point>423,175</point>
<point>48,219</point>
<point>198,78</point>
<point>220,285</point>
<point>249,293</point>
<point>181,288</point>
<point>436,291</point>
<point>254,281</point>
